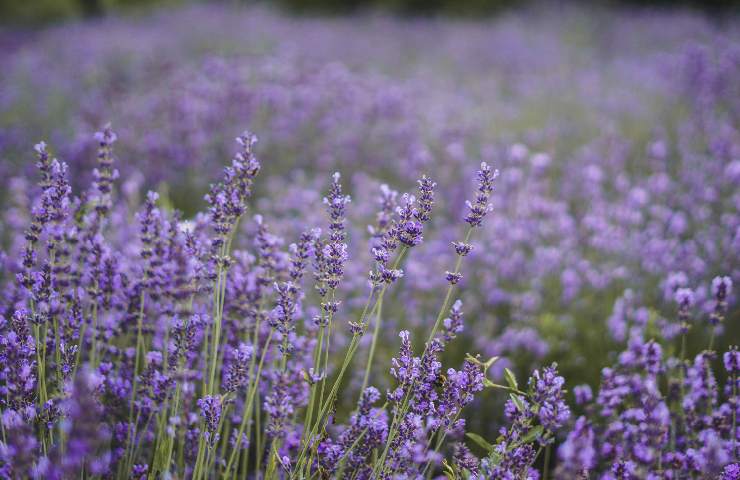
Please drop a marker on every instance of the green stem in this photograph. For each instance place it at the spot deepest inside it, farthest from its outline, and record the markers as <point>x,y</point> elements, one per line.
<point>546,466</point>
<point>94,344</point>
<point>400,413</point>
<point>351,349</point>
<point>371,354</point>
<point>734,416</point>
<point>247,415</point>
<point>325,408</point>
<point>312,394</point>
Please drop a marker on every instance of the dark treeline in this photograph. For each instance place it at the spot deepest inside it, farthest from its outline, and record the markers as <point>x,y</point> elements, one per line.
<point>42,11</point>
<point>481,7</point>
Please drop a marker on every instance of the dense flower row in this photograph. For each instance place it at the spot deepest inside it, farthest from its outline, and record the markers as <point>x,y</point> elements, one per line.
<point>170,347</point>
<point>659,414</point>
<point>620,149</point>
<point>165,347</point>
<point>262,334</point>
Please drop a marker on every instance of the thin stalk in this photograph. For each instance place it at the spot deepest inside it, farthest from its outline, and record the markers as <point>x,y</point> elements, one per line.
<point>376,334</point>
<point>135,380</point>
<point>335,387</point>
<point>404,404</point>
<point>276,444</point>
<point>217,319</point>
<point>211,355</point>
<point>340,469</point>
<point>259,437</point>
<point>441,435</point>
<point>546,466</point>
<point>312,395</point>
<point>351,349</point>
<point>734,416</point>
<point>94,344</point>
<point>248,408</point>
<point>57,353</point>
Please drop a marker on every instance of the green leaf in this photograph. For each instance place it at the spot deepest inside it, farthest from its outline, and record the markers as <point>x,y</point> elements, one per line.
<point>473,359</point>
<point>490,384</point>
<point>517,401</point>
<point>511,379</point>
<point>449,471</point>
<point>480,441</point>
<point>490,362</point>
<point>532,434</point>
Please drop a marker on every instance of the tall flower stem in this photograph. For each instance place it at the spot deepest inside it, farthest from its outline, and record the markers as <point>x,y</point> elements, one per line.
<point>380,465</point>
<point>247,414</point>
<point>373,343</point>
<point>349,355</point>
<point>324,350</point>
<point>324,408</point>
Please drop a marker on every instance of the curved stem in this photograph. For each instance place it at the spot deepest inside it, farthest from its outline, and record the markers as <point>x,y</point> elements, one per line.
<point>400,413</point>
<point>248,408</point>
<point>376,334</point>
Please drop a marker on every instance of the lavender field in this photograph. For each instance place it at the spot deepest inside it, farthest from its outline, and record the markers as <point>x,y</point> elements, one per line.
<point>240,244</point>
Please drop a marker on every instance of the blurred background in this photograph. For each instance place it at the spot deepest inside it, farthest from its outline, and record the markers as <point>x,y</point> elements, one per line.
<point>41,11</point>
<point>616,126</point>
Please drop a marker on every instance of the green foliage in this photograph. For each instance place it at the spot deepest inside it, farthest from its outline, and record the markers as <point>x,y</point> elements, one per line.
<point>480,441</point>
<point>18,11</point>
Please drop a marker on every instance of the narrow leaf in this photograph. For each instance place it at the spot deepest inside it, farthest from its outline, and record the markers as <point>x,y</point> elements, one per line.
<point>534,433</point>
<point>517,401</point>
<point>511,379</point>
<point>480,441</point>
<point>490,362</point>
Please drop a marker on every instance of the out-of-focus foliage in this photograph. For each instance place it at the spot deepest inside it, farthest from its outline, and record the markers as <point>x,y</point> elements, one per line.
<point>617,134</point>
<point>20,12</point>
<point>41,11</point>
<point>405,7</point>
<point>37,10</point>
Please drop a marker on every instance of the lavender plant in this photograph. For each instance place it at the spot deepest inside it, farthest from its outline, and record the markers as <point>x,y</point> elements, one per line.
<point>164,347</point>
<point>620,148</point>
<point>257,333</point>
<point>659,413</point>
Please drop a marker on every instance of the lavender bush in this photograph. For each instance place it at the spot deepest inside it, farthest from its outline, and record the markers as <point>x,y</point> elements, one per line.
<point>285,321</point>
<point>164,347</point>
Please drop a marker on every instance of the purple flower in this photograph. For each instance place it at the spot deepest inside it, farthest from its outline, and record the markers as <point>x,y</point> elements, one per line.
<point>731,360</point>
<point>85,429</point>
<point>105,173</point>
<point>453,325</point>
<point>583,394</point>
<point>481,206</point>
<point>721,289</point>
<point>577,452</point>
<point>227,199</point>
<point>547,386</point>
<point>731,472</point>
<point>335,251</point>
<point>210,411</point>
<point>453,277</point>
<point>237,371</point>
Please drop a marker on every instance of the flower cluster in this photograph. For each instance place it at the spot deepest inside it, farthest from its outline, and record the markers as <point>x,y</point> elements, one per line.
<point>159,347</point>
<point>657,415</point>
<point>229,339</point>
